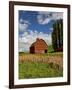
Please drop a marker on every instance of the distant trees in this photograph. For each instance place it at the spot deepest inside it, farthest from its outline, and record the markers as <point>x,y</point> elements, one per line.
<point>57,35</point>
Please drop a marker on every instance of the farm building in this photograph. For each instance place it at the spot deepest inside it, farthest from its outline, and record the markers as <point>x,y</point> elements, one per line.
<point>39,46</point>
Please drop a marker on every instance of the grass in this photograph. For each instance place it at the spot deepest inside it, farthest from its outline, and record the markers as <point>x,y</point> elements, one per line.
<point>50,49</point>
<point>41,65</point>
<point>29,69</point>
<point>44,54</point>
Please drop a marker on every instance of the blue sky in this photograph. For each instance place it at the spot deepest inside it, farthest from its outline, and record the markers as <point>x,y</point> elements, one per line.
<point>31,16</point>
<point>36,24</point>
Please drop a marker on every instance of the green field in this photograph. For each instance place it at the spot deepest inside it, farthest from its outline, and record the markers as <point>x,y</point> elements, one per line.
<point>41,65</point>
<point>29,69</point>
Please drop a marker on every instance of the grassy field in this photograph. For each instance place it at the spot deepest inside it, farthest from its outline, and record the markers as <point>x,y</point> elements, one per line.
<point>40,65</point>
<point>56,57</point>
<point>28,69</point>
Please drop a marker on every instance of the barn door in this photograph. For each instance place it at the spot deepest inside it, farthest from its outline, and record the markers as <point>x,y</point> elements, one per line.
<point>46,51</point>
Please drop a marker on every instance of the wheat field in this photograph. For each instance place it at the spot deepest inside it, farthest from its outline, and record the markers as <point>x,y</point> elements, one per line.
<point>46,58</point>
<point>40,65</point>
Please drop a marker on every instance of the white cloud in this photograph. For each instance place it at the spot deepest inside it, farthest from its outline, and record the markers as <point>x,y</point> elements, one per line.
<point>45,17</point>
<point>43,20</point>
<point>51,29</point>
<point>57,15</point>
<point>29,37</point>
<point>23,25</point>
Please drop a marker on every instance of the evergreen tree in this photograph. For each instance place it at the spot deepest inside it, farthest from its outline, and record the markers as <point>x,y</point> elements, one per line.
<point>57,34</point>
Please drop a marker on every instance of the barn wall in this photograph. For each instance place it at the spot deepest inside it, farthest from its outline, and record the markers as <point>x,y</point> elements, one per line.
<point>39,47</point>
<point>39,51</point>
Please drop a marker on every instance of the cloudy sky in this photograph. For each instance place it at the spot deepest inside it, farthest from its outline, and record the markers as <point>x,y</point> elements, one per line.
<point>36,24</point>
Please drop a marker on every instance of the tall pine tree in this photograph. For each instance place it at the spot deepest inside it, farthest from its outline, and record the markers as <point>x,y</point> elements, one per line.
<point>57,35</point>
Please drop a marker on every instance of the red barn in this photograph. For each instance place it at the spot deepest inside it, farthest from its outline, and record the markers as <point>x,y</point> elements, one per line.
<point>39,46</point>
